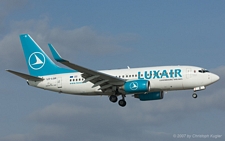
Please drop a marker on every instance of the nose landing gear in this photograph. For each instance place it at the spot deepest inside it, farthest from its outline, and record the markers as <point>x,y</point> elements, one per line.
<point>194,95</point>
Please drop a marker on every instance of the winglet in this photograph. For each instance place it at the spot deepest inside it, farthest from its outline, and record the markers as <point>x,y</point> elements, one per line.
<point>55,54</point>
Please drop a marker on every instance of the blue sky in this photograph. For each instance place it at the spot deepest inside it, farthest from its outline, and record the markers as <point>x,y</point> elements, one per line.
<point>106,35</point>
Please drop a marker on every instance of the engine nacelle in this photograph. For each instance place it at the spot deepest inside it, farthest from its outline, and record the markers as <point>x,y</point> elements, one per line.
<point>150,96</point>
<point>136,86</point>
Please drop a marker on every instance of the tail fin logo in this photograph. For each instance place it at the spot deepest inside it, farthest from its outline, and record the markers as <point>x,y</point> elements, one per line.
<point>36,60</point>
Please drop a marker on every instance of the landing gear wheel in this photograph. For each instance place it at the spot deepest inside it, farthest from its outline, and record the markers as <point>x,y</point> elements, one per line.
<point>194,95</point>
<point>113,98</point>
<point>122,103</point>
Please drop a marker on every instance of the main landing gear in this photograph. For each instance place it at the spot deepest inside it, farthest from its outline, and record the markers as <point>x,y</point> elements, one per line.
<point>122,102</point>
<point>113,98</point>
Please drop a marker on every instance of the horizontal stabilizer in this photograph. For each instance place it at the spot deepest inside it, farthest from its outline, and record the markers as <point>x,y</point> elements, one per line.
<point>26,76</point>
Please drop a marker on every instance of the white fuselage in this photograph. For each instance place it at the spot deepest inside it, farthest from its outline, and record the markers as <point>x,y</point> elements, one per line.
<point>164,78</point>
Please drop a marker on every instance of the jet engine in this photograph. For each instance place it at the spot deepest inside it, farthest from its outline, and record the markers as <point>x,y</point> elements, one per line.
<point>136,86</point>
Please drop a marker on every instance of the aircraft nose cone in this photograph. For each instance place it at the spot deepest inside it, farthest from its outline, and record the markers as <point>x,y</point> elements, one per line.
<point>214,78</point>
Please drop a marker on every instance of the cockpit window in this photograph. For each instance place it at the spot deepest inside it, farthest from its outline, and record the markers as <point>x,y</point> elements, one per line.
<point>203,71</point>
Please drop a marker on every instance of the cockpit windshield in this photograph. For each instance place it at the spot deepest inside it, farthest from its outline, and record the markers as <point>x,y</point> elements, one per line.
<point>203,71</point>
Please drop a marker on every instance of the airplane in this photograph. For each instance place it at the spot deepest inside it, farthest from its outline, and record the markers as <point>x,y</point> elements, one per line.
<point>145,84</point>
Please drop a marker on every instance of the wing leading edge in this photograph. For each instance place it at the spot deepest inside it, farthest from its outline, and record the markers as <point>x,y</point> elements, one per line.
<point>103,80</point>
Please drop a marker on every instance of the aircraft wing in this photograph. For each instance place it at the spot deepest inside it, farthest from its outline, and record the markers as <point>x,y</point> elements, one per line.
<point>26,76</point>
<point>103,80</point>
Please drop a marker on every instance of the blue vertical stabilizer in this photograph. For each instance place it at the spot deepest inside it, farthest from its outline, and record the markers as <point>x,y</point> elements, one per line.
<point>38,63</point>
